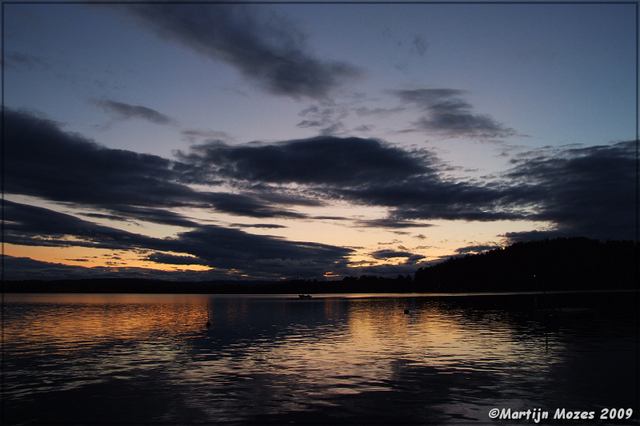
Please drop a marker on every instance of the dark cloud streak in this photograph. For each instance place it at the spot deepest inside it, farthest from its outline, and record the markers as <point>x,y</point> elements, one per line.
<point>271,51</point>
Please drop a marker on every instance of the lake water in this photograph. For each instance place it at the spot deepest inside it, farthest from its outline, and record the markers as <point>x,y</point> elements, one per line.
<point>332,359</point>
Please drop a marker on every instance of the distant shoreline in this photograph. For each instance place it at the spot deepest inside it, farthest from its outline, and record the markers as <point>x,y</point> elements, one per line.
<point>358,293</point>
<point>623,301</point>
<point>535,267</point>
<point>129,286</point>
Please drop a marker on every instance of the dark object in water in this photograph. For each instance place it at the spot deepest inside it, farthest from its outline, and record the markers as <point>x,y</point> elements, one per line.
<point>304,296</point>
<point>406,311</point>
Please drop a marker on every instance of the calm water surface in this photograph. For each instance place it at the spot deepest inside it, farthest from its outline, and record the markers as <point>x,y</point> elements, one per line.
<point>328,360</point>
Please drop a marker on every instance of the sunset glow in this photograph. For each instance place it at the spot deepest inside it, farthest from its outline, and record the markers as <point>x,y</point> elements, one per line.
<point>313,141</point>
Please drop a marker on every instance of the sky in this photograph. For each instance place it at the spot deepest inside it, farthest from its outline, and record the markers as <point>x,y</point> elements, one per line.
<point>314,141</point>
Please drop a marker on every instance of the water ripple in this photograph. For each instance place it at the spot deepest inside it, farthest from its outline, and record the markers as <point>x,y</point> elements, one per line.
<point>278,360</point>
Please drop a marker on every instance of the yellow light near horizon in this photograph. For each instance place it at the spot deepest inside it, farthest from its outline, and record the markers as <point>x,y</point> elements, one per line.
<point>95,257</point>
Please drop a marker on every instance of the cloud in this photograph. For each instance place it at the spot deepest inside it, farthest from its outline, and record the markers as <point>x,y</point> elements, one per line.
<point>258,225</point>
<point>476,248</point>
<point>420,45</point>
<point>153,215</point>
<point>327,120</point>
<point>370,172</point>
<point>174,260</point>
<point>391,222</point>
<point>258,255</point>
<point>23,61</point>
<point>410,261</point>
<point>399,56</point>
<point>387,254</point>
<point>428,197</point>
<point>23,268</point>
<point>43,161</point>
<point>104,216</point>
<point>31,225</point>
<point>245,205</point>
<point>378,112</point>
<point>125,111</point>
<point>316,161</point>
<point>425,98</point>
<point>586,191</point>
<point>450,115</point>
<point>192,135</point>
<point>411,184</point>
<point>581,191</point>
<point>230,250</point>
<point>270,51</point>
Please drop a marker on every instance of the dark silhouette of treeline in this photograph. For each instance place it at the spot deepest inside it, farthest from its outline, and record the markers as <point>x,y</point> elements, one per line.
<point>547,265</point>
<point>574,263</point>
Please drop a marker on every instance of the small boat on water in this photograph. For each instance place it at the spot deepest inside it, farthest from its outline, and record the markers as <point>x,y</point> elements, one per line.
<point>304,296</point>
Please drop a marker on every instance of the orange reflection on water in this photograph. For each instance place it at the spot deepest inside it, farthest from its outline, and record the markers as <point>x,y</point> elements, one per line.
<point>333,345</point>
<point>365,349</point>
<point>65,321</point>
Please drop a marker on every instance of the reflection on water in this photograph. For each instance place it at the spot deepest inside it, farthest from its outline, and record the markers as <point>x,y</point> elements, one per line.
<point>279,359</point>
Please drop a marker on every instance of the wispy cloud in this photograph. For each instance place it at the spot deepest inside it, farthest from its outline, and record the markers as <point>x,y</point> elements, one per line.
<point>327,119</point>
<point>192,135</point>
<point>24,61</point>
<point>419,45</point>
<point>403,48</point>
<point>392,222</point>
<point>269,51</point>
<point>448,114</point>
<point>378,112</point>
<point>124,111</point>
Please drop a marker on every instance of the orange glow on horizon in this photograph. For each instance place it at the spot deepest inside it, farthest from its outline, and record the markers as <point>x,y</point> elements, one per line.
<point>96,257</point>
